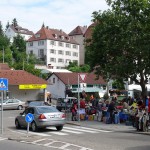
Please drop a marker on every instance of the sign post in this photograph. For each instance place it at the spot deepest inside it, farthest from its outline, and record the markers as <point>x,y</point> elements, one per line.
<point>3,87</point>
<point>29,118</point>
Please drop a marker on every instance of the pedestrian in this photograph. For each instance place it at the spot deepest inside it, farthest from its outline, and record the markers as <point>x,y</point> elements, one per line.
<point>111,109</point>
<point>99,111</point>
<point>74,109</point>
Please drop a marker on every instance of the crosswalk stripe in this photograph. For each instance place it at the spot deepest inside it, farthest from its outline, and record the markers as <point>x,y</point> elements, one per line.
<point>70,131</point>
<point>58,133</point>
<point>94,129</point>
<point>79,129</point>
<point>1,139</point>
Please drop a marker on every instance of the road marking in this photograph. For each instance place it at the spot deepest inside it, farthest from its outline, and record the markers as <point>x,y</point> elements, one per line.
<point>58,133</point>
<point>52,144</point>
<point>95,129</point>
<point>70,131</point>
<point>2,139</point>
<point>35,133</point>
<point>78,129</point>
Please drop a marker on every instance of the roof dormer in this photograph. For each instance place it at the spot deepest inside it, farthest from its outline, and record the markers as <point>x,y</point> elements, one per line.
<point>37,35</point>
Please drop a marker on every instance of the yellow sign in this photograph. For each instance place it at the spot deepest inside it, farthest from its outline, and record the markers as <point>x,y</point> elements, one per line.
<point>33,86</point>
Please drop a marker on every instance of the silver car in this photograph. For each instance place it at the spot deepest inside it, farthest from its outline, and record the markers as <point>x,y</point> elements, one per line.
<point>44,116</point>
<point>13,104</point>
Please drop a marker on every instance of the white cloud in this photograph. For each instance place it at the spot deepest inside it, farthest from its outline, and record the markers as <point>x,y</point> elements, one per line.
<point>60,14</point>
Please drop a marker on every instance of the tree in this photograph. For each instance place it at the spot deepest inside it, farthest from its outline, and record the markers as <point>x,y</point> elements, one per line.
<point>73,66</point>
<point>14,22</point>
<point>120,46</point>
<point>18,48</point>
<point>7,25</point>
<point>1,29</point>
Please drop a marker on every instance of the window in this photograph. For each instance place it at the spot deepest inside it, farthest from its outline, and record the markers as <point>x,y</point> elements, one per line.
<point>75,61</point>
<point>68,60</point>
<point>41,53</point>
<point>37,35</point>
<point>52,51</point>
<point>30,44</point>
<point>52,42</point>
<point>74,46</point>
<point>31,52</point>
<point>68,45</point>
<point>60,52</point>
<point>60,60</point>
<point>52,59</point>
<point>53,80</point>
<point>75,54</point>
<point>60,44</point>
<point>40,43</point>
<point>68,53</point>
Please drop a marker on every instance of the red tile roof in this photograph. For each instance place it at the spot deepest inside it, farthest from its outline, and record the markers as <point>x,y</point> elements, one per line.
<point>4,66</point>
<point>17,77</point>
<point>88,33</point>
<point>78,31</point>
<point>21,30</point>
<point>49,34</point>
<point>72,78</point>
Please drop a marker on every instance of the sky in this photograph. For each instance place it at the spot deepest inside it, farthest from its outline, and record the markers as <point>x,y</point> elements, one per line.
<point>57,14</point>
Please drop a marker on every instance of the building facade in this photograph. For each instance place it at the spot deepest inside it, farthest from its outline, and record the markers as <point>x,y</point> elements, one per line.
<point>54,47</point>
<point>78,35</point>
<point>60,82</point>
<point>12,31</point>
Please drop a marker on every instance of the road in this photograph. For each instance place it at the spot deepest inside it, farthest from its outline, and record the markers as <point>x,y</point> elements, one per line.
<point>75,137</point>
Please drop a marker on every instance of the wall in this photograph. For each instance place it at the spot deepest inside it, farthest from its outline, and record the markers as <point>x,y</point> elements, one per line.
<point>24,94</point>
<point>57,90</point>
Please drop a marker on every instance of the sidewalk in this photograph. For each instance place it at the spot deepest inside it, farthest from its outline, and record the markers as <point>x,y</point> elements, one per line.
<point>103,126</point>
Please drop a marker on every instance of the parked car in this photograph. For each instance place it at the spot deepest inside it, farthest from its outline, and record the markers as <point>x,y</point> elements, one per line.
<point>35,103</point>
<point>13,104</point>
<point>44,116</point>
<point>65,103</point>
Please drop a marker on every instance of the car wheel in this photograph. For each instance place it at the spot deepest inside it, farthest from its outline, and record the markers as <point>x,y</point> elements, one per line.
<point>20,107</point>
<point>59,128</point>
<point>17,124</point>
<point>34,127</point>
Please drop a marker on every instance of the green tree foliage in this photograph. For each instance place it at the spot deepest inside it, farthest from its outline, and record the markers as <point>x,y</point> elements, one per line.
<point>14,22</point>
<point>73,66</point>
<point>120,46</point>
<point>18,48</point>
<point>7,25</point>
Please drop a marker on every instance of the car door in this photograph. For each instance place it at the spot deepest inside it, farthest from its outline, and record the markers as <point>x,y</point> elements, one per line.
<point>22,119</point>
<point>15,103</point>
<point>8,104</point>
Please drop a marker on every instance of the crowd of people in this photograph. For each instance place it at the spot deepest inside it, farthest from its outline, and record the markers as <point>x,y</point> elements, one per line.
<point>135,111</point>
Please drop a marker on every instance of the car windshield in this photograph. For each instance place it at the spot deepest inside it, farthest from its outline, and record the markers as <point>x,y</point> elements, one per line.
<point>3,101</point>
<point>47,109</point>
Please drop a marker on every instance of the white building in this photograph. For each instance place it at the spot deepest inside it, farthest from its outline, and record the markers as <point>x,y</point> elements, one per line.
<point>54,47</point>
<point>12,31</point>
<point>59,82</point>
<point>78,35</point>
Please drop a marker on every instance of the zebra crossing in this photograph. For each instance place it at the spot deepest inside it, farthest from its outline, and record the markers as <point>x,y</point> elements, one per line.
<point>2,139</point>
<point>67,130</point>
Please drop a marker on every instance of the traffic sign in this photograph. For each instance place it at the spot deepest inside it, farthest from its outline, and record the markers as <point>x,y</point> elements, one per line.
<point>3,84</point>
<point>82,77</point>
<point>29,117</point>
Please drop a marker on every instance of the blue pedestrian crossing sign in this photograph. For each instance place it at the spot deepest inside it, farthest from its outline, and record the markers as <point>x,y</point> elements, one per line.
<point>29,117</point>
<point>3,84</point>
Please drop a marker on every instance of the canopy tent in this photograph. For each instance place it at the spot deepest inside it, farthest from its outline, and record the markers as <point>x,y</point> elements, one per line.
<point>137,87</point>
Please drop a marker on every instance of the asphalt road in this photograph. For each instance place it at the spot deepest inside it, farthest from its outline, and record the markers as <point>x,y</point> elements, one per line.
<point>75,138</point>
